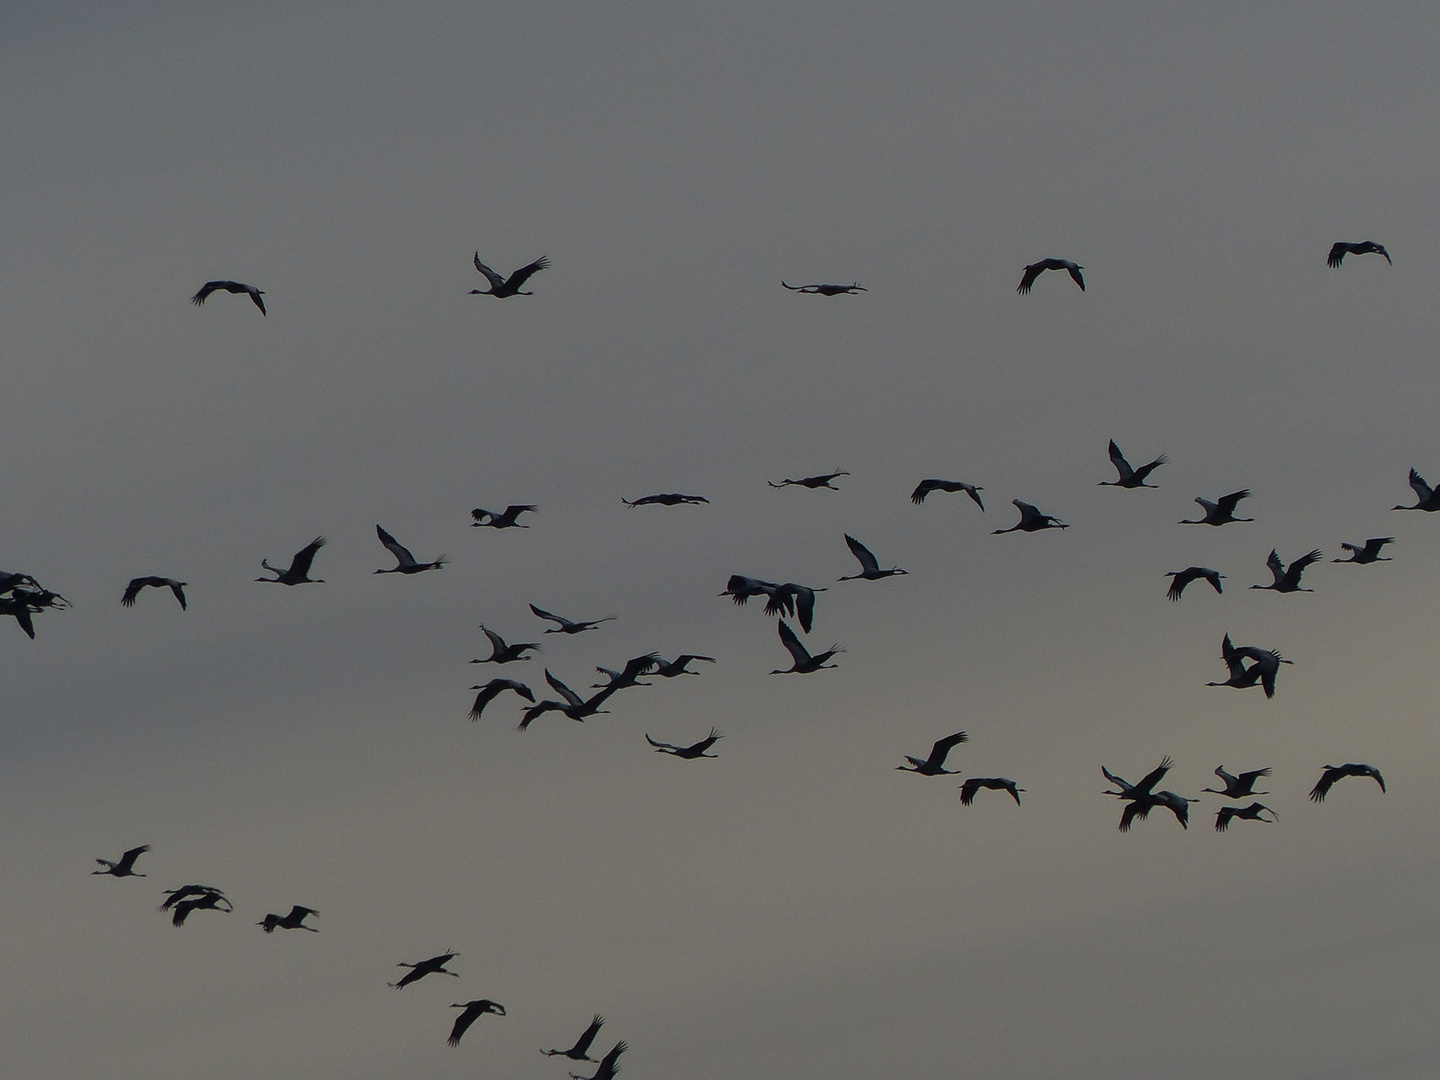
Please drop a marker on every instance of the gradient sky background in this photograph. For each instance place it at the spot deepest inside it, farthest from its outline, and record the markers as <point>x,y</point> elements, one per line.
<point>795,909</point>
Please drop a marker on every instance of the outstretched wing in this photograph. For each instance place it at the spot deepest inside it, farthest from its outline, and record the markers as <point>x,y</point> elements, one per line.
<point>490,275</point>
<point>1075,276</point>
<point>519,277</point>
<point>1032,272</point>
<point>798,651</point>
<point>1334,259</point>
<point>547,615</point>
<point>300,565</point>
<point>563,690</point>
<point>399,550</point>
<point>943,747</point>
<point>1118,460</point>
<point>868,564</point>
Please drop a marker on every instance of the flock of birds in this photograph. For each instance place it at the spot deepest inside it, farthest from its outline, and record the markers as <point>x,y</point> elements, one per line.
<point>23,597</point>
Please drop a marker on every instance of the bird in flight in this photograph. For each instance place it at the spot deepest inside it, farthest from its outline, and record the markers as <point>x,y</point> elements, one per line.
<point>565,626</point>
<point>473,1011</point>
<point>1034,270</point>
<point>210,900</point>
<point>804,663</point>
<point>581,1050</point>
<point>1366,247</point>
<point>126,866</point>
<point>1262,672</point>
<point>501,287</point>
<point>404,562</point>
<point>811,482</point>
<point>493,689</point>
<point>1238,787</point>
<point>506,520</point>
<point>678,666</point>
<point>295,920</point>
<point>869,567</point>
<point>694,750</point>
<point>1368,552</point>
<point>433,966</point>
<point>1333,773</point>
<point>972,786</point>
<point>797,601</point>
<point>1031,520</point>
<point>1221,511</point>
<point>1254,812</point>
<point>1287,579</point>
<point>184,892</point>
<point>136,584</point>
<point>1427,498</point>
<point>1181,578</point>
<point>925,487</point>
<point>230,287</point>
<point>1143,798</point>
<point>574,706</point>
<point>934,765</point>
<point>608,1068</point>
<point>1130,478</point>
<point>635,667</point>
<point>501,653</point>
<point>827,290</point>
<point>667,499</point>
<point>299,571</point>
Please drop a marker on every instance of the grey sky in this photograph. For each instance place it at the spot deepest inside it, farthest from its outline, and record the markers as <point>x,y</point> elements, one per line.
<point>795,909</point>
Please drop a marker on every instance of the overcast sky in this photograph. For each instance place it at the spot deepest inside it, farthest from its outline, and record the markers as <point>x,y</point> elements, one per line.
<point>794,909</point>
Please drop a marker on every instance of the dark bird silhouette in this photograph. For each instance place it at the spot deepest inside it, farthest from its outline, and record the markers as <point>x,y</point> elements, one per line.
<point>136,584</point>
<point>1427,498</point>
<point>668,499</point>
<point>741,588</point>
<point>126,866</point>
<point>295,920</point>
<point>869,567</point>
<point>493,689</point>
<point>1130,478</point>
<point>1339,772</point>
<point>1189,574</point>
<point>473,1011</point>
<point>1254,812</point>
<point>1340,249</point>
<point>796,601</point>
<point>434,966</point>
<point>505,520</point>
<point>581,1050</point>
<point>677,666</point>
<point>230,287</point>
<point>23,613</point>
<point>811,482</point>
<point>206,901</point>
<point>1261,672</point>
<point>404,562</point>
<point>608,1068</point>
<point>804,662</point>
<point>1238,787</point>
<point>972,786</point>
<point>1221,511</point>
<point>1143,798</point>
<point>1031,520</point>
<point>629,676</point>
<point>299,571</point>
<point>500,287</point>
<point>565,626</point>
<point>1368,552</point>
<point>1034,270</point>
<point>934,765</point>
<point>25,603</point>
<point>574,706</point>
<point>184,892</point>
<point>827,290</point>
<point>694,750</point>
<point>925,487</point>
<point>501,653</point>
<point>1287,580</point>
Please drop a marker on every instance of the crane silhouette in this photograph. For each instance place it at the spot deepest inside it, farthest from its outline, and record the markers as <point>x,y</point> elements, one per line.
<point>694,750</point>
<point>925,487</point>
<point>493,689</point>
<point>136,584</point>
<point>236,287</point>
<point>1340,249</point>
<point>608,1068</point>
<point>1254,812</point>
<point>869,567</point>
<point>1238,787</point>
<point>827,290</point>
<point>298,572</point>
<point>294,920</point>
<point>1221,511</point>
<point>566,626</point>
<point>811,482</point>
<point>1031,520</point>
<point>1034,270</point>
<point>934,765</point>
<point>1333,773</point>
<point>667,499</point>
<point>125,867</point>
<point>433,966</point>
<point>678,666</point>
<point>804,663</point>
<point>1368,552</point>
<point>1287,579</point>
<point>574,706</point>
<point>1426,497</point>
<point>1189,574</point>
<point>1262,672</point>
<point>581,1050</point>
<point>504,520</point>
<point>502,653</point>
<point>473,1011</point>
<point>501,287</point>
<point>972,786</point>
<point>405,563</point>
<point>1129,477</point>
